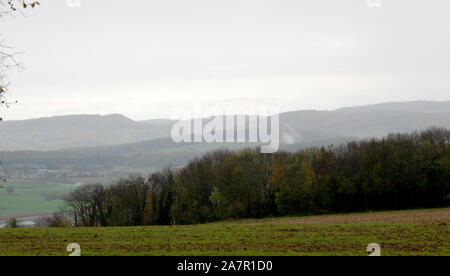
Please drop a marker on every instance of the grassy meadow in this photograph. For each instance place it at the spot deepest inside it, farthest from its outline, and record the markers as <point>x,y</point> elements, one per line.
<point>32,197</point>
<point>419,232</point>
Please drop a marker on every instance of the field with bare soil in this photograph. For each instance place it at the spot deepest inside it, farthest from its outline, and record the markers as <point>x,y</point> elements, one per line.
<point>419,232</point>
<point>415,216</point>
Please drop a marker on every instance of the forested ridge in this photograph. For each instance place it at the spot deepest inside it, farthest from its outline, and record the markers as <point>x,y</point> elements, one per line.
<point>399,171</point>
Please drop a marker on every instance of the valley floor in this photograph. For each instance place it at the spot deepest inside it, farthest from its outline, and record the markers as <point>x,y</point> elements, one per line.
<point>418,232</point>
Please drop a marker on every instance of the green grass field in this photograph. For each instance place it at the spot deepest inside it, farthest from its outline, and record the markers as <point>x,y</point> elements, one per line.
<point>421,232</point>
<point>30,197</point>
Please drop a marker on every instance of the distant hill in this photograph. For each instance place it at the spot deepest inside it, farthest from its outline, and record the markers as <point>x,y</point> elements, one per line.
<point>297,127</point>
<point>78,131</point>
<point>416,106</point>
<point>156,153</point>
<point>312,125</point>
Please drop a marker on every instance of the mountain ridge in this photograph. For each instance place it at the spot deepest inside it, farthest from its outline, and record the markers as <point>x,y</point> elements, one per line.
<point>84,130</point>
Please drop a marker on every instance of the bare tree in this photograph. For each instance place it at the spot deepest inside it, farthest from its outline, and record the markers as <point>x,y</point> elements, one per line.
<point>9,7</point>
<point>8,61</point>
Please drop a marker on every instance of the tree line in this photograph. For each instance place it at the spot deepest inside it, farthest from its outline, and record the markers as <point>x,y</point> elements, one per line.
<point>399,171</point>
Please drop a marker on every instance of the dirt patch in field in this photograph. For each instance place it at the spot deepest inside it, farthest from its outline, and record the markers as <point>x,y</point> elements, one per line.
<point>420,216</point>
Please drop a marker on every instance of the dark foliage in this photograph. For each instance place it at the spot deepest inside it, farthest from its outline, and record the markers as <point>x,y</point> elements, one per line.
<point>399,171</point>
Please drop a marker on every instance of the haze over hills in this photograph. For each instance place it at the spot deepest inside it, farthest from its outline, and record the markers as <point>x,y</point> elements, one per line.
<point>414,106</point>
<point>114,146</point>
<point>367,121</point>
<point>75,131</point>
<point>78,131</point>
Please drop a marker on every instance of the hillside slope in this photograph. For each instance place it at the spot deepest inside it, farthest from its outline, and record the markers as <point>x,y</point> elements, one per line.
<point>305,126</point>
<point>421,232</point>
<point>78,131</point>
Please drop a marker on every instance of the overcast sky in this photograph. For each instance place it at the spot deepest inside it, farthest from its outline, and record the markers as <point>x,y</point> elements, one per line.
<point>147,58</point>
